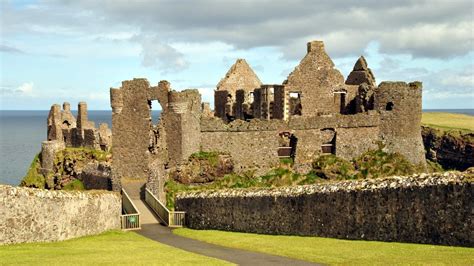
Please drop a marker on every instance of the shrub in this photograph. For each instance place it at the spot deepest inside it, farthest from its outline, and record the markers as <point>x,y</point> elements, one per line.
<point>378,163</point>
<point>333,167</point>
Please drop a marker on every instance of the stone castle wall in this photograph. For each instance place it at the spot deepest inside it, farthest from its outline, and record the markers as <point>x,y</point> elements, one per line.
<point>131,125</point>
<point>37,215</point>
<point>399,104</point>
<point>431,209</point>
<point>253,145</point>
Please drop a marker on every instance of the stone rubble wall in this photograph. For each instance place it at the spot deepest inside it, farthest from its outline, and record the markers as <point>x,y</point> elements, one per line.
<point>432,209</point>
<point>295,123</point>
<point>253,145</point>
<point>37,215</point>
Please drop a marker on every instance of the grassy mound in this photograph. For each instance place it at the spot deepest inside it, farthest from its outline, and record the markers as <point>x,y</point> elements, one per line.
<point>68,164</point>
<point>333,167</point>
<point>372,164</point>
<point>33,177</point>
<point>378,163</point>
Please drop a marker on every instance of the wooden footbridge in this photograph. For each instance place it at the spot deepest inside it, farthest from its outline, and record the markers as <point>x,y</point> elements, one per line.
<point>140,206</point>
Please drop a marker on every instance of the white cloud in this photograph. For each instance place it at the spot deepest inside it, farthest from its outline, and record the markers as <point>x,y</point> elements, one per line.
<point>207,95</point>
<point>26,89</point>
<point>23,90</point>
<point>460,79</point>
<point>435,29</point>
<point>164,56</point>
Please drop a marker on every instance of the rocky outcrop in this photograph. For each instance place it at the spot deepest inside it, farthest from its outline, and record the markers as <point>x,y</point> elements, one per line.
<point>90,168</point>
<point>425,208</point>
<point>452,150</point>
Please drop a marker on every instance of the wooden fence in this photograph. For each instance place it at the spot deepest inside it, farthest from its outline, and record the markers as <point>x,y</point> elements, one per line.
<point>130,217</point>
<point>170,218</point>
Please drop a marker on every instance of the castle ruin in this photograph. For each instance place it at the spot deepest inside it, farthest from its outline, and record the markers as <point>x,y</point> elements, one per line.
<point>65,130</point>
<point>315,111</point>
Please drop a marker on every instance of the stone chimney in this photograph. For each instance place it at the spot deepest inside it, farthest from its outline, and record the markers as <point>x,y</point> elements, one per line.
<point>82,116</point>
<point>315,46</point>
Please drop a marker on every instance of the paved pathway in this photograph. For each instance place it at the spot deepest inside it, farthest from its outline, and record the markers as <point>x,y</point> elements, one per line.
<point>164,235</point>
<point>153,230</point>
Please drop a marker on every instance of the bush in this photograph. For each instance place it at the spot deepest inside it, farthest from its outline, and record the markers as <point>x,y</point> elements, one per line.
<point>333,167</point>
<point>378,163</point>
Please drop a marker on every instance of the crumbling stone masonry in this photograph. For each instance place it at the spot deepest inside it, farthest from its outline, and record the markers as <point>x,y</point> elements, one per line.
<point>64,130</point>
<point>315,111</point>
<point>143,150</point>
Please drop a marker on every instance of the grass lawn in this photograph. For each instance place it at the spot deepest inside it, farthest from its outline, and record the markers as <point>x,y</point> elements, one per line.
<point>335,251</point>
<point>448,121</point>
<point>113,247</point>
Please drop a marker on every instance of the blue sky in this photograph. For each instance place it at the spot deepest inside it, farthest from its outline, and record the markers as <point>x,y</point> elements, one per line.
<point>54,51</point>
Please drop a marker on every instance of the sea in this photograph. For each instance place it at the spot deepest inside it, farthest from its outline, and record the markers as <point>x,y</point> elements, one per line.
<point>21,134</point>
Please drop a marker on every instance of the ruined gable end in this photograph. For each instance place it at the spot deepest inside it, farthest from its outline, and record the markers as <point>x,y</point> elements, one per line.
<point>239,76</point>
<point>361,73</point>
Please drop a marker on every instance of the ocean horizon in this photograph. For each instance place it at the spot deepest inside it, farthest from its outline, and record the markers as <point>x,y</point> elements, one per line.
<point>22,131</point>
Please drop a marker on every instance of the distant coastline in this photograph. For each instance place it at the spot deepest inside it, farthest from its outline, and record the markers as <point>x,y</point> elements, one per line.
<point>456,111</point>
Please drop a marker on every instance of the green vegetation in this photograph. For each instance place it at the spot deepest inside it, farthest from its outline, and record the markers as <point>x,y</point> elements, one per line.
<point>378,163</point>
<point>110,248</point>
<point>286,161</point>
<point>211,157</point>
<point>75,184</point>
<point>332,167</point>
<point>66,163</point>
<point>33,178</point>
<point>275,178</point>
<point>449,121</point>
<point>372,164</point>
<point>334,251</point>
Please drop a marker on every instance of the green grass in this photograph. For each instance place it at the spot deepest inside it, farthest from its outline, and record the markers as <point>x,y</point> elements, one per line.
<point>326,168</point>
<point>33,178</point>
<point>111,248</point>
<point>76,184</point>
<point>275,178</point>
<point>335,251</point>
<point>212,157</point>
<point>449,121</point>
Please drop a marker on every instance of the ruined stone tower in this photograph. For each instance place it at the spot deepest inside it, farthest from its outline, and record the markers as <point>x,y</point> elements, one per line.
<point>142,150</point>
<point>399,105</point>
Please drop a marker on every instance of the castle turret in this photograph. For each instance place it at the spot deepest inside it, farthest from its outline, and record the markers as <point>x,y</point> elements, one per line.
<point>183,118</point>
<point>399,105</point>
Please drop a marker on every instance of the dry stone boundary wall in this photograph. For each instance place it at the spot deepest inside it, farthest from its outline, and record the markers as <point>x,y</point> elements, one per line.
<point>37,215</point>
<point>431,209</point>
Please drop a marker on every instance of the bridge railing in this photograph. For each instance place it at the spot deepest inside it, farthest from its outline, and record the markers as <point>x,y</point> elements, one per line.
<point>130,218</point>
<point>170,218</point>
